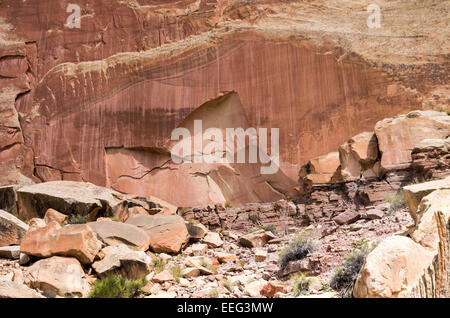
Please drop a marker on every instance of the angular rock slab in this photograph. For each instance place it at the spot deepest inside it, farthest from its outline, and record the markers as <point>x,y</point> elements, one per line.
<point>11,229</point>
<point>67,197</point>
<point>10,252</point>
<point>256,239</point>
<point>16,290</point>
<point>116,233</point>
<point>76,240</point>
<point>167,233</point>
<point>395,268</point>
<point>60,275</point>
<point>414,193</point>
<point>120,259</point>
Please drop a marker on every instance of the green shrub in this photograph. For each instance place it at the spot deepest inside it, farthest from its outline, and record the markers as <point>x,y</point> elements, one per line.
<point>113,286</point>
<point>302,245</point>
<point>177,272</point>
<point>159,264</point>
<point>396,200</point>
<point>227,284</point>
<point>270,227</point>
<point>300,283</point>
<point>345,276</point>
<point>228,204</point>
<point>78,219</point>
<point>214,294</point>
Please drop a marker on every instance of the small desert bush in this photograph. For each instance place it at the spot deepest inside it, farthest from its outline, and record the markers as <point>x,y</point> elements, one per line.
<point>214,294</point>
<point>113,286</point>
<point>270,227</point>
<point>300,284</point>
<point>78,219</point>
<point>227,284</point>
<point>228,204</point>
<point>302,245</point>
<point>396,200</point>
<point>345,276</point>
<point>177,272</point>
<point>159,264</point>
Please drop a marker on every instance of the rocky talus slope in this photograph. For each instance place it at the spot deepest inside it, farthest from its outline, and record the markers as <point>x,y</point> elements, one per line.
<point>393,228</point>
<point>98,103</point>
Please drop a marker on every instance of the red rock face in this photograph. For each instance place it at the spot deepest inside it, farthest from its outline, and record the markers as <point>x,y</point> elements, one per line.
<point>102,100</point>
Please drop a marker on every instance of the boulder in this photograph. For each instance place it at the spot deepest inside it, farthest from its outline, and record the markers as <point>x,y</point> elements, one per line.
<point>347,217</point>
<point>115,233</point>
<point>254,288</point>
<point>126,212</point>
<point>260,255</point>
<point>225,257</point>
<point>197,231</point>
<point>258,238</point>
<point>164,276</point>
<point>415,192</point>
<point>167,233</point>
<point>357,155</point>
<point>8,198</point>
<point>373,214</point>
<point>120,259</point>
<point>71,240</point>
<point>323,169</point>
<point>395,268</point>
<point>426,231</point>
<point>199,249</point>
<point>397,136</point>
<point>16,290</point>
<point>36,223</point>
<point>200,263</point>
<point>10,252</point>
<point>60,275</point>
<point>67,197</point>
<point>213,240</point>
<point>11,229</point>
<point>191,272</point>
<point>271,288</point>
<point>53,215</point>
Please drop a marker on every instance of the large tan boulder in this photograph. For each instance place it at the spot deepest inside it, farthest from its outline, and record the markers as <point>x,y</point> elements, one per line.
<point>414,193</point>
<point>358,156</point>
<point>67,197</point>
<point>116,233</point>
<point>167,233</point>
<point>323,169</point>
<point>53,215</point>
<point>399,135</point>
<point>426,231</point>
<point>257,238</point>
<point>72,240</point>
<point>61,275</point>
<point>395,268</point>
<point>10,289</point>
<point>11,229</point>
<point>120,259</point>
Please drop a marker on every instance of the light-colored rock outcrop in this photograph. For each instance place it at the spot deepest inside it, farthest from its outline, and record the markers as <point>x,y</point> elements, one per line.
<point>61,275</point>
<point>167,233</point>
<point>394,269</point>
<point>120,259</point>
<point>323,169</point>
<point>358,156</point>
<point>414,193</point>
<point>116,233</point>
<point>11,229</point>
<point>399,135</point>
<point>16,290</point>
<point>76,240</point>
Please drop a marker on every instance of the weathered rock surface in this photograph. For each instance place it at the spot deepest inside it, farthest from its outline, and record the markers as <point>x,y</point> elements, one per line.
<point>398,136</point>
<point>256,239</point>
<point>16,290</point>
<point>72,240</point>
<point>323,169</point>
<point>53,215</point>
<point>358,155</point>
<point>167,233</point>
<point>11,252</point>
<point>116,233</point>
<point>94,87</point>
<point>415,192</point>
<point>196,231</point>
<point>120,259</point>
<point>394,269</point>
<point>60,275</point>
<point>11,229</point>
<point>212,239</point>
